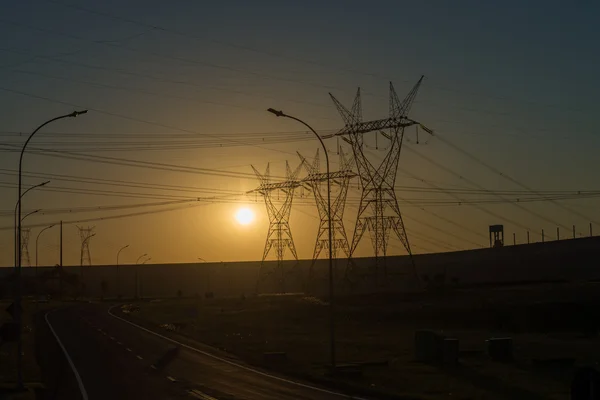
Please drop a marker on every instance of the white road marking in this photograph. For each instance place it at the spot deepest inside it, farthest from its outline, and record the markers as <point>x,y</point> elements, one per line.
<point>112,338</point>
<point>128,349</point>
<point>84,394</point>
<point>139,357</point>
<point>171,379</point>
<point>119,343</point>
<point>200,395</point>
<point>275,377</point>
<point>153,366</point>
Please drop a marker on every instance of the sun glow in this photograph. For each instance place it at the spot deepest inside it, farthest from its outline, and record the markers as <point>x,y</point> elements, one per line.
<point>244,216</point>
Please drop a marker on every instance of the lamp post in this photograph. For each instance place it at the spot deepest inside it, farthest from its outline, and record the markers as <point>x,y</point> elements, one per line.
<point>36,246</point>
<point>18,271</point>
<point>137,268</point>
<point>119,252</point>
<point>17,205</point>
<point>144,262</point>
<point>119,286</point>
<point>30,213</point>
<point>36,265</point>
<point>140,257</point>
<point>331,285</point>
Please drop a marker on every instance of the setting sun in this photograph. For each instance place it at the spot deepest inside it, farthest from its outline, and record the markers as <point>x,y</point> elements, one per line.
<point>244,216</point>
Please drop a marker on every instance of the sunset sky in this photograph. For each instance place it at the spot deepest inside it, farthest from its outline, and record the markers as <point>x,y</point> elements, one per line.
<point>177,94</point>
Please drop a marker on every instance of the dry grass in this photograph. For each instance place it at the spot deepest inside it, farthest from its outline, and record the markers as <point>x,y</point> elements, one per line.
<point>381,327</point>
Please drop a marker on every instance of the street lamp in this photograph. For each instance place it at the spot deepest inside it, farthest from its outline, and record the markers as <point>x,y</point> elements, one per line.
<point>118,286</point>
<point>30,213</point>
<point>16,205</point>
<point>18,275</point>
<point>36,264</point>
<point>137,268</point>
<point>36,246</point>
<point>119,252</point>
<point>331,319</point>
<point>145,261</point>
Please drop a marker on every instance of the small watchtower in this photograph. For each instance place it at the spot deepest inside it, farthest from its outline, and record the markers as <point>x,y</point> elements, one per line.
<point>496,235</point>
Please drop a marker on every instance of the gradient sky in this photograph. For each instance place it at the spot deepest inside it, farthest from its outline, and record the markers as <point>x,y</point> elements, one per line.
<point>512,84</point>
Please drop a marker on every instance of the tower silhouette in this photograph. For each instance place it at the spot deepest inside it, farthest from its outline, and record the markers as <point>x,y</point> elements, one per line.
<point>25,259</point>
<point>279,235</point>
<point>340,180</point>
<point>86,234</point>
<point>378,211</point>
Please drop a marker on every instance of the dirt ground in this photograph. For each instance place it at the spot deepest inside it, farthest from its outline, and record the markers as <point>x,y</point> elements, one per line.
<point>554,329</point>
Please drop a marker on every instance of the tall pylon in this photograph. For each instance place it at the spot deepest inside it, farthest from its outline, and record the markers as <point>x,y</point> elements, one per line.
<point>86,234</point>
<point>378,211</point>
<point>279,236</point>
<point>25,259</point>
<point>341,180</point>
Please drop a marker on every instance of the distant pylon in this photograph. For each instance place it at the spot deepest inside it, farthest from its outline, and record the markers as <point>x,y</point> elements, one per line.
<point>25,260</point>
<point>279,236</point>
<point>341,180</point>
<point>378,212</point>
<point>86,234</point>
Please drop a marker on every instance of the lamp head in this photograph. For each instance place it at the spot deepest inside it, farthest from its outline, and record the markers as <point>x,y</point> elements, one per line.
<point>76,113</point>
<point>277,113</point>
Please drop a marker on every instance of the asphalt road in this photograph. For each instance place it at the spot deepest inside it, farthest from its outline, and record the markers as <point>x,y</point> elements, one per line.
<point>117,360</point>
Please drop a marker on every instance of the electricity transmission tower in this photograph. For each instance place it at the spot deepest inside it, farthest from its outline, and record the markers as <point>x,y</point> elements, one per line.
<point>341,179</point>
<point>25,232</point>
<point>279,236</point>
<point>378,211</point>
<point>85,234</point>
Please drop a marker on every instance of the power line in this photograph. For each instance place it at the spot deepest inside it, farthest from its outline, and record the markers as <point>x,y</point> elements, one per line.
<point>135,214</point>
<point>130,118</point>
<point>220,42</point>
<point>450,222</point>
<point>135,163</point>
<point>164,135</point>
<point>558,194</point>
<point>515,204</point>
<point>116,182</point>
<point>507,177</point>
<point>193,84</point>
<point>73,210</point>
<point>161,79</point>
<point>158,28</point>
<point>460,200</point>
<point>162,56</point>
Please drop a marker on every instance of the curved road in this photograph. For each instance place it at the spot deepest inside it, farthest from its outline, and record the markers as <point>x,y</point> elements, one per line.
<point>116,359</point>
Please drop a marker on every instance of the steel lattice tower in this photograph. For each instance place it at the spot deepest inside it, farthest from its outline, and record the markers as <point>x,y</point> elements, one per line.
<point>341,179</point>
<point>378,211</point>
<point>85,234</point>
<point>25,259</point>
<point>279,236</point>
